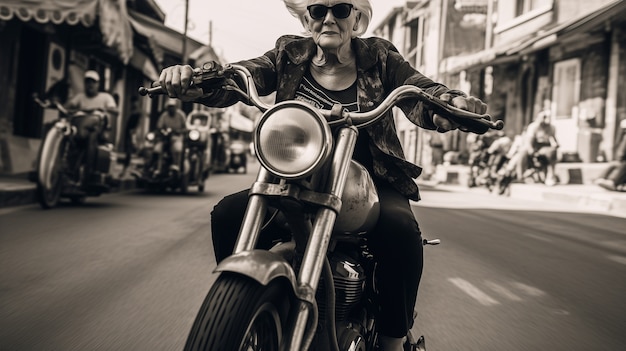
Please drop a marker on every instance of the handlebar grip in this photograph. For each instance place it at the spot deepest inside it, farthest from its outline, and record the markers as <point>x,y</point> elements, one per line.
<point>143,91</point>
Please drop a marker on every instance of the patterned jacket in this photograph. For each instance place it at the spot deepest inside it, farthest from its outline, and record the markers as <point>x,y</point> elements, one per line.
<point>380,69</point>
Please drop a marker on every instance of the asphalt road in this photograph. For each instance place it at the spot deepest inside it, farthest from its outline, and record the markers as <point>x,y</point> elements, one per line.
<point>128,271</point>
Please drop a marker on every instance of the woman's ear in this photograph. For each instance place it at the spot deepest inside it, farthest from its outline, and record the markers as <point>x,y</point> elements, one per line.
<point>356,23</point>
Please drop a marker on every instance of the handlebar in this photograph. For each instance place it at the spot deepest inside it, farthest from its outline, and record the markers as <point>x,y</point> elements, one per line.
<point>213,76</point>
<point>48,104</point>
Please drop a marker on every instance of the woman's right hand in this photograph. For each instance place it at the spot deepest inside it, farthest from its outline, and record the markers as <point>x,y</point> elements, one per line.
<point>177,82</point>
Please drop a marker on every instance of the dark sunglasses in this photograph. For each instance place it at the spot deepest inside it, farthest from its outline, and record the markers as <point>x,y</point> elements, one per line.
<point>340,11</point>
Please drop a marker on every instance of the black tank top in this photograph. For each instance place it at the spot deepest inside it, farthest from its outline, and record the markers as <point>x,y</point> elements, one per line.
<point>311,92</point>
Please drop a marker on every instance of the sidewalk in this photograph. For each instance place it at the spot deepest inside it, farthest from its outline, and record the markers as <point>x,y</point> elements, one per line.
<point>576,188</point>
<point>17,190</point>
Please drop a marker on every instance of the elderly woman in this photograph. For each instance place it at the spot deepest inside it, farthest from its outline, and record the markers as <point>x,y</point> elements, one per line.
<point>332,64</point>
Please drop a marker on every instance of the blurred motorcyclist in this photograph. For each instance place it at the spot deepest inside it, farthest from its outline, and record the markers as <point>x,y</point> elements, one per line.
<point>497,152</point>
<point>540,142</point>
<point>93,101</point>
<point>172,118</point>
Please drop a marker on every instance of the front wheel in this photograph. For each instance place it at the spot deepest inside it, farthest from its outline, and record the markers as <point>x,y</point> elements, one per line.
<point>240,314</point>
<point>51,169</point>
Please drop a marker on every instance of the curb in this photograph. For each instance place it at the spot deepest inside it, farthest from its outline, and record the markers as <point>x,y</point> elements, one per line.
<point>26,194</point>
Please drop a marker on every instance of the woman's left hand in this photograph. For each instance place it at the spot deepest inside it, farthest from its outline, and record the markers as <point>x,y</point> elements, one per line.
<point>470,103</point>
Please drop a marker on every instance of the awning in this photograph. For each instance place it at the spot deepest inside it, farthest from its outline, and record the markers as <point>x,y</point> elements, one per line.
<point>167,38</point>
<point>115,27</point>
<point>116,31</point>
<point>55,11</point>
<point>495,55</point>
<point>587,21</point>
<point>144,64</point>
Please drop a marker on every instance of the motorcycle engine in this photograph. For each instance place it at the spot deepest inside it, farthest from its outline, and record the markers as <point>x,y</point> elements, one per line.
<point>349,278</point>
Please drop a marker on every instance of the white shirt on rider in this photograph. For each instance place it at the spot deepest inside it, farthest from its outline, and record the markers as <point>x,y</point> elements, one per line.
<point>103,101</point>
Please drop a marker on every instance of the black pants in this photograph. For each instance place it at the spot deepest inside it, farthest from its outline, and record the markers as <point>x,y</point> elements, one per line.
<point>395,242</point>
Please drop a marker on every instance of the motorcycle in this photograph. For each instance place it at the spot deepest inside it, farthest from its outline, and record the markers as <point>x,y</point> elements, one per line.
<point>157,173</point>
<point>72,163</point>
<point>238,156</point>
<point>269,299</point>
<point>196,150</point>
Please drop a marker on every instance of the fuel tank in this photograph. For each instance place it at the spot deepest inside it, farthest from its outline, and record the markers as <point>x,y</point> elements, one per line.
<point>360,207</point>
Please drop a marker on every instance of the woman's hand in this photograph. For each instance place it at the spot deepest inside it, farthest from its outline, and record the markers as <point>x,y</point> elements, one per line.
<point>177,83</point>
<point>470,103</point>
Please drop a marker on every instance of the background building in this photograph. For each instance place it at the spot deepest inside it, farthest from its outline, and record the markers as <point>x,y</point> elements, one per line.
<point>52,43</point>
<point>516,55</point>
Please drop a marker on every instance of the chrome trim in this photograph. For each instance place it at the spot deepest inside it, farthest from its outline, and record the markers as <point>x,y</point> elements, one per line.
<point>327,142</point>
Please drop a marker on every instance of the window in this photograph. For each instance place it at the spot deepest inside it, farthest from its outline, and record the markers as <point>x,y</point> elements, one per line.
<point>524,6</point>
<point>566,87</point>
<point>417,34</point>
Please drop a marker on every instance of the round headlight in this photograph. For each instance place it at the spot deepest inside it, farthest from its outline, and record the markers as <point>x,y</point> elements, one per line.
<point>194,135</point>
<point>150,136</point>
<point>292,139</point>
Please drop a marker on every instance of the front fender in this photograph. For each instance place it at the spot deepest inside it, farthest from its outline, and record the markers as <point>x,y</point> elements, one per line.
<point>260,265</point>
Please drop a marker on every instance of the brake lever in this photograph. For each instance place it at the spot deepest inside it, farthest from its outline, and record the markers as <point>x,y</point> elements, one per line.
<point>462,117</point>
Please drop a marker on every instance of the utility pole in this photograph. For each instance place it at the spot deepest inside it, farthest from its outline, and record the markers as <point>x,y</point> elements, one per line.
<point>210,33</point>
<point>185,56</point>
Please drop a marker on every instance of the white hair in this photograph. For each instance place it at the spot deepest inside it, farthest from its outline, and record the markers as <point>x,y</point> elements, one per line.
<point>297,8</point>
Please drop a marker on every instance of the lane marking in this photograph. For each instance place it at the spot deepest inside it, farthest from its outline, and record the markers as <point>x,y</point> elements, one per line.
<point>503,291</point>
<point>473,291</point>
<point>530,290</point>
<point>618,259</point>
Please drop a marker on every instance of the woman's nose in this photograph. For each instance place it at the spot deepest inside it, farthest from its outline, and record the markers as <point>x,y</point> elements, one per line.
<point>329,17</point>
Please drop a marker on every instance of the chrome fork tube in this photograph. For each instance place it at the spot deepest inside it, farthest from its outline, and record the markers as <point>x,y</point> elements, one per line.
<point>253,218</point>
<point>315,253</point>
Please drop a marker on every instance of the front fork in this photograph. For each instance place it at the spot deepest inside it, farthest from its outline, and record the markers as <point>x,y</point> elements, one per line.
<point>315,252</point>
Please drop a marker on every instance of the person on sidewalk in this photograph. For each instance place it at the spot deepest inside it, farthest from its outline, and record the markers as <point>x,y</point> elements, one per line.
<point>614,176</point>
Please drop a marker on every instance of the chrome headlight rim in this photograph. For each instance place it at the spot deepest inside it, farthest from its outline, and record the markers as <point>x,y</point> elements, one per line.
<point>319,121</point>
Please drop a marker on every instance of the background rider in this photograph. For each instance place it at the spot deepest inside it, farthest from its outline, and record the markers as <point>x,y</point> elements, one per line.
<point>172,118</point>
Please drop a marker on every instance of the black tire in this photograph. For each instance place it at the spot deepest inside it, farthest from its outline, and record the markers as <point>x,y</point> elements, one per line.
<point>503,184</point>
<point>78,200</point>
<point>238,310</point>
<point>52,160</point>
<point>184,183</point>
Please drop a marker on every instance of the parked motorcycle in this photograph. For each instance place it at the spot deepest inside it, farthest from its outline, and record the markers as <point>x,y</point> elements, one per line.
<point>157,173</point>
<point>317,290</point>
<point>71,162</point>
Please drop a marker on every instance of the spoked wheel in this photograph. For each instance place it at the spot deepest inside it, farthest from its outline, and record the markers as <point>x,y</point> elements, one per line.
<point>240,314</point>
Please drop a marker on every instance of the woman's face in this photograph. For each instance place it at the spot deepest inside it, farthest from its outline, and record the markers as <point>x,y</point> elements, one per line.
<point>330,32</point>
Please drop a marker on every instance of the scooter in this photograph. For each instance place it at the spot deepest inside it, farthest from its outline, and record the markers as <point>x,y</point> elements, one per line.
<point>72,163</point>
<point>269,299</point>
